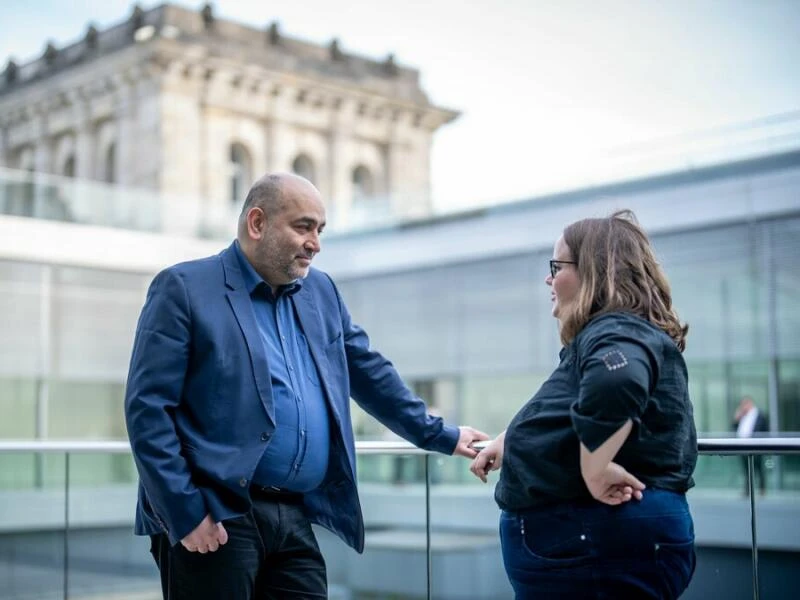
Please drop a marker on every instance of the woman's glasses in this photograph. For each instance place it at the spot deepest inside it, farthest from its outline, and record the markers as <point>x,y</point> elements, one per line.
<point>555,266</point>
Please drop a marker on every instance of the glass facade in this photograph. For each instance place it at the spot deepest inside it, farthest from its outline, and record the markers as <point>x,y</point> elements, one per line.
<point>65,342</point>
<point>485,327</point>
<point>474,339</point>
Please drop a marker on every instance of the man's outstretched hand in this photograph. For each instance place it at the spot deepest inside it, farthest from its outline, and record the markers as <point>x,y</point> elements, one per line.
<point>468,437</point>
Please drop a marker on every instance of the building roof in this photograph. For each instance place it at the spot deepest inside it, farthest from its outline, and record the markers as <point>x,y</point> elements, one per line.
<point>266,47</point>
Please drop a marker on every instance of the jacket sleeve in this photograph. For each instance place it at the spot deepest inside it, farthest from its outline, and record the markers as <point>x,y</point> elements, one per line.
<point>618,370</point>
<point>157,371</point>
<point>378,388</point>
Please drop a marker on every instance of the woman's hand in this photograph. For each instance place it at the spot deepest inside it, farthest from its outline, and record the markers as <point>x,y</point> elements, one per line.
<point>489,459</point>
<point>613,485</point>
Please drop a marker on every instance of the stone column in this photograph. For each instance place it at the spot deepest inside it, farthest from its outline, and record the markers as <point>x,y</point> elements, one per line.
<point>408,170</point>
<point>4,160</point>
<point>42,164</point>
<point>125,119</point>
<point>186,171</point>
<point>4,145</point>
<point>84,140</point>
<point>43,150</point>
<point>396,165</point>
<point>281,146</point>
<point>340,155</point>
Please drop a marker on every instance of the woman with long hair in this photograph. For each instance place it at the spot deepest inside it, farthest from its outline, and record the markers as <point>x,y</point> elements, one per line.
<point>595,467</point>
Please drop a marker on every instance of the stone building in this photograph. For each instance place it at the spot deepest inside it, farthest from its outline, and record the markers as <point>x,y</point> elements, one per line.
<point>190,106</point>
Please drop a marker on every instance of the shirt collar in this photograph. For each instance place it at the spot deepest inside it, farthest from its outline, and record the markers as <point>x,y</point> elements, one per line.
<point>253,281</point>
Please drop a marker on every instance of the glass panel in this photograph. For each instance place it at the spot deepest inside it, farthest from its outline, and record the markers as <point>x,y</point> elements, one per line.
<point>94,318</point>
<point>778,523</point>
<point>489,403</point>
<point>105,559</point>
<point>86,410</point>
<point>788,475</point>
<point>723,530</point>
<point>18,407</point>
<point>785,241</point>
<point>467,561</point>
<point>22,304</point>
<point>32,548</point>
<point>394,563</point>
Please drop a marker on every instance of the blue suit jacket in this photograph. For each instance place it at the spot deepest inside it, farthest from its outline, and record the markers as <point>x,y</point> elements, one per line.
<point>198,403</point>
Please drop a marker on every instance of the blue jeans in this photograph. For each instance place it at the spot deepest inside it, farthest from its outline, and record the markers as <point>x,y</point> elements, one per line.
<point>586,549</point>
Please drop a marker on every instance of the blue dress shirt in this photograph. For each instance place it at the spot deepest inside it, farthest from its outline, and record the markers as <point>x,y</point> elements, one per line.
<point>296,458</point>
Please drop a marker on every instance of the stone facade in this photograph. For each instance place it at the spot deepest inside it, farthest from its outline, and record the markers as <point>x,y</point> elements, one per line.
<point>194,108</point>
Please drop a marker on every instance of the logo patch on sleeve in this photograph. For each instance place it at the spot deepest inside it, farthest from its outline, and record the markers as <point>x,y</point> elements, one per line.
<point>614,360</point>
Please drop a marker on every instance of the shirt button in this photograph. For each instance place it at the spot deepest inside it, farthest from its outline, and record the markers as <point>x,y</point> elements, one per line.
<point>302,433</point>
<point>243,482</point>
<point>264,436</point>
<point>291,368</point>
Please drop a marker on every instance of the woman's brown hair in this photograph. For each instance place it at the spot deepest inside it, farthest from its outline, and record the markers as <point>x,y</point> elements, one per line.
<point>618,273</point>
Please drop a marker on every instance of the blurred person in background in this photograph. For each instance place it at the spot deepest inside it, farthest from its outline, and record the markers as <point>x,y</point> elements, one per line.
<point>237,408</point>
<point>595,467</point>
<point>749,422</point>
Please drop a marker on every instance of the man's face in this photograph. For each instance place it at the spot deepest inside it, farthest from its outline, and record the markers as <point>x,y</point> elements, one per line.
<point>291,236</point>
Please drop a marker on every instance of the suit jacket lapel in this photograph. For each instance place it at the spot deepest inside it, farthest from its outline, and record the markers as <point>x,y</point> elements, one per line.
<point>311,322</point>
<point>240,302</point>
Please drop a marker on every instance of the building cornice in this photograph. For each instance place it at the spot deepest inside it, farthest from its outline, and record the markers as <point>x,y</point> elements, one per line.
<point>207,43</point>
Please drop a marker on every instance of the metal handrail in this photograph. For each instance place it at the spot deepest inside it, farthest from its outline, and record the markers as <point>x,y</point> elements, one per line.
<point>716,446</point>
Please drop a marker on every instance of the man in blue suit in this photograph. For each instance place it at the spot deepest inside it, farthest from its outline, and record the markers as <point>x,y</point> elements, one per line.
<point>237,407</point>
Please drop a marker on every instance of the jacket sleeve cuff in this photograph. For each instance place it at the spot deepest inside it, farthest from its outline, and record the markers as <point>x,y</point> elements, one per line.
<point>191,514</point>
<point>446,441</point>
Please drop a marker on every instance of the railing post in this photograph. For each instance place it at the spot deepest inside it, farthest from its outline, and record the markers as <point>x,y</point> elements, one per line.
<point>66,525</point>
<point>751,492</point>
<point>428,554</point>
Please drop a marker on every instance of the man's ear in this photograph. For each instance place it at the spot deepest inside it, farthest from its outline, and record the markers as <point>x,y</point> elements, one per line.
<point>256,222</point>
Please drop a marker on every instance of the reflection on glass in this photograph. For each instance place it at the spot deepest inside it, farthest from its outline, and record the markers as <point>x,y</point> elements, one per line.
<point>394,563</point>
<point>32,540</point>
<point>465,543</point>
<point>105,558</point>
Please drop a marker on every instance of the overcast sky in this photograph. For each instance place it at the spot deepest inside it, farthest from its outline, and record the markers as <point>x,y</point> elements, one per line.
<point>547,90</point>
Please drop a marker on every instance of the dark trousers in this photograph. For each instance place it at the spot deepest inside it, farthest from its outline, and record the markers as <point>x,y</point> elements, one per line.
<point>586,550</point>
<point>271,553</point>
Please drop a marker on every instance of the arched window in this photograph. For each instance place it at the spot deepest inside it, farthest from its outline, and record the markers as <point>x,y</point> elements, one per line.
<point>69,167</point>
<point>363,184</point>
<point>241,173</point>
<point>110,164</point>
<point>24,159</point>
<point>304,167</point>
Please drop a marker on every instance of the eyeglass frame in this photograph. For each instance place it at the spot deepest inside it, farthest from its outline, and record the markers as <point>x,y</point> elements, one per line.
<point>554,263</point>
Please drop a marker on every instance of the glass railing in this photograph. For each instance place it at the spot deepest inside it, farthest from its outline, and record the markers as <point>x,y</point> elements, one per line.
<point>66,526</point>
<point>86,202</point>
<point>51,197</point>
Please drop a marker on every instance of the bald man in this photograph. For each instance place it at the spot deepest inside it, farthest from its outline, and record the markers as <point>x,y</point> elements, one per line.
<point>237,408</point>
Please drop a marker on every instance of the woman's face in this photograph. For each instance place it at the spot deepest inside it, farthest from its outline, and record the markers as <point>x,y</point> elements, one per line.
<point>566,283</point>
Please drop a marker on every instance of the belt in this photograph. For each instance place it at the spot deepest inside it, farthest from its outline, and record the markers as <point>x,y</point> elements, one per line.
<point>270,493</point>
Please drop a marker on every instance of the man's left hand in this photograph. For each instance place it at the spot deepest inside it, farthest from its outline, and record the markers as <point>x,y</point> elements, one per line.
<point>468,437</point>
